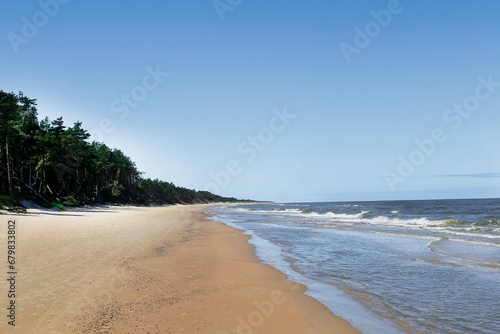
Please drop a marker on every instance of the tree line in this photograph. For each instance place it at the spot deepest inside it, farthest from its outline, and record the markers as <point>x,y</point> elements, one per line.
<point>49,162</point>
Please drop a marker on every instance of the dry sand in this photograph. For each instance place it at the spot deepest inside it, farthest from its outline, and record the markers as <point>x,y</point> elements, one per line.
<point>148,270</point>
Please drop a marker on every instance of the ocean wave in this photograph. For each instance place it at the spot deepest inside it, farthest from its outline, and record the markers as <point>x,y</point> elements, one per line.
<point>493,225</point>
<point>332,215</point>
<point>383,220</point>
<point>308,216</point>
<point>242,210</point>
<point>293,210</point>
<point>307,213</point>
<point>361,218</point>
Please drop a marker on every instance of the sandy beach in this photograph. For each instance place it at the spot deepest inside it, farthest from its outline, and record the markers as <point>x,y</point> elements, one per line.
<point>148,270</point>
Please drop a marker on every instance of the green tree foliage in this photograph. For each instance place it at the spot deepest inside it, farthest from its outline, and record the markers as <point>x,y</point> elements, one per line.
<point>48,161</point>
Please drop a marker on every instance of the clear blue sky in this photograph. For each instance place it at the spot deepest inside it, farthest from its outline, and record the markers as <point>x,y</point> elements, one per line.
<point>359,100</point>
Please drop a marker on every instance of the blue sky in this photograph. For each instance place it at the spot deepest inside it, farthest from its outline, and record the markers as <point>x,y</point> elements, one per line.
<point>422,71</point>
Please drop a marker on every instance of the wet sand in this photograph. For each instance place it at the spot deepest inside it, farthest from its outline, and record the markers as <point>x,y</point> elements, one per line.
<point>149,270</point>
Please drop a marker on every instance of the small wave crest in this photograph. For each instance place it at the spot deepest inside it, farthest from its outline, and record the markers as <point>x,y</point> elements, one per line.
<point>489,225</point>
<point>242,210</point>
<point>481,253</point>
<point>332,215</point>
<point>313,214</point>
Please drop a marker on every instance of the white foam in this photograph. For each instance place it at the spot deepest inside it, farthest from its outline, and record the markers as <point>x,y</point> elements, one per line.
<point>340,216</point>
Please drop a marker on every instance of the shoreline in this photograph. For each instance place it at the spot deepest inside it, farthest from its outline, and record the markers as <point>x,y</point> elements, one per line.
<point>157,270</point>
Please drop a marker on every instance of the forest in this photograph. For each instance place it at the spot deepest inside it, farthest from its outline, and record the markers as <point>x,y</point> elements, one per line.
<point>55,165</point>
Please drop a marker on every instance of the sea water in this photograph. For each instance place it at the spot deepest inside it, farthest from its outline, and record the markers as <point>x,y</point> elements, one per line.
<point>387,267</point>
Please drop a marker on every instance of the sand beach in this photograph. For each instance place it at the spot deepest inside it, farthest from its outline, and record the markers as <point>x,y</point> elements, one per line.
<point>148,270</point>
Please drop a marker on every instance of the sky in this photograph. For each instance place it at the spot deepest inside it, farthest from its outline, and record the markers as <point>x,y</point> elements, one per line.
<point>288,101</point>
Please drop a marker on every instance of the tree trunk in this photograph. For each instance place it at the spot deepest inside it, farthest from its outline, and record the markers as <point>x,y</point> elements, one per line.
<point>9,176</point>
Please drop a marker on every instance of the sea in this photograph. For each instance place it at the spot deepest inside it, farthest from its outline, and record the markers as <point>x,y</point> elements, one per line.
<point>430,266</point>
